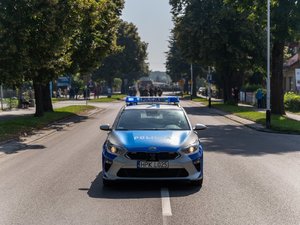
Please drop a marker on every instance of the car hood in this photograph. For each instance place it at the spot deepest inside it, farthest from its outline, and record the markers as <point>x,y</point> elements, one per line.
<point>154,141</point>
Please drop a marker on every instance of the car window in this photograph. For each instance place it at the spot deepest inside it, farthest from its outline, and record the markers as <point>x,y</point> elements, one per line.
<point>154,119</point>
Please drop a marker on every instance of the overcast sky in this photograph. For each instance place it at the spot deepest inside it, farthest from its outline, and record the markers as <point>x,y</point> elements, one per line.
<point>154,22</point>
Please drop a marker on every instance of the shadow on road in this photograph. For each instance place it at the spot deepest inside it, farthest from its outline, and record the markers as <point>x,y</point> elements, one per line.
<point>19,146</point>
<point>16,145</point>
<point>138,189</point>
<point>237,139</point>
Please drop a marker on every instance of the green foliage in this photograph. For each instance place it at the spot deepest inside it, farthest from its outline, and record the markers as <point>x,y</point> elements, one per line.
<point>128,62</point>
<point>251,87</point>
<point>117,83</point>
<point>292,102</point>
<point>177,66</point>
<point>218,33</point>
<point>285,27</point>
<point>40,40</point>
<point>96,33</point>
<point>11,102</point>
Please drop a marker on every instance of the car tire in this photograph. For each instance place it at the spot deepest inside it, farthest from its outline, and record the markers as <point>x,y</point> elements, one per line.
<point>197,183</point>
<point>107,183</point>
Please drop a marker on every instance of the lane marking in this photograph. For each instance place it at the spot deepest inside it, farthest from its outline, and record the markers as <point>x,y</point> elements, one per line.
<point>165,201</point>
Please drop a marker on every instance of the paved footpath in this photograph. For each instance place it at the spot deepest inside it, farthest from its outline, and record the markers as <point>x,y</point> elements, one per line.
<point>4,115</point>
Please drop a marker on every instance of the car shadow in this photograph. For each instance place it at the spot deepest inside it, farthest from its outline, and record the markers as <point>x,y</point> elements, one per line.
<point>138,189</point>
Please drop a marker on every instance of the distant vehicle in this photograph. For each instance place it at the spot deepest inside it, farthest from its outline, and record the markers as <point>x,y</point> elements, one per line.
<point>145,83</point>
<point>152,139</point>
<point>201,90</point>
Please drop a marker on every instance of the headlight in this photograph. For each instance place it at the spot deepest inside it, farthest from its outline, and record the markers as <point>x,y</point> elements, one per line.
<point>191,149</point>
<point>114,149</point>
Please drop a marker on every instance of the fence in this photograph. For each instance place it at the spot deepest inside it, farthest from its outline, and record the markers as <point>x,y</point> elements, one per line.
<point>8,98</point>
<point>248,97</point>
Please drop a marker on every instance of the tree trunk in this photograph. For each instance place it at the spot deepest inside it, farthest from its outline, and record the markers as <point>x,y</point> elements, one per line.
<point>39,109</point>
<point>20,90</point>
<point>227,86</point>
<point>194,83</point>
<point>47,103</point>
<point>277,95</point>
<point>123,88</point>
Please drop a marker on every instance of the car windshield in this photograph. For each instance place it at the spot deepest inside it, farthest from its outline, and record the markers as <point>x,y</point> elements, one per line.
<point>153,119</point>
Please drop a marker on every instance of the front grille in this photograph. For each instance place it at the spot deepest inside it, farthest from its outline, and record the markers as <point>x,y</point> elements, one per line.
<point>152,156</point>
<point>152,173</point>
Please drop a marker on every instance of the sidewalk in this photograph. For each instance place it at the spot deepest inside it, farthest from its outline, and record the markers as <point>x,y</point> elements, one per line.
<point>289,115</point>
<point>15,112</point>
<point>10,114</point>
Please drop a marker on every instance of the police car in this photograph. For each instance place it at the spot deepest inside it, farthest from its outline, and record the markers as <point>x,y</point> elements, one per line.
<point>152,139</point>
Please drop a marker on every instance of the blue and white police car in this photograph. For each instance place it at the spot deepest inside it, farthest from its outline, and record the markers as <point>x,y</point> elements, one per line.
<point>152,139</point>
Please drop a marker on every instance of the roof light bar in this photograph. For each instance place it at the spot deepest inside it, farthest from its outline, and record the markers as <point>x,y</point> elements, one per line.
<point>134,100</point>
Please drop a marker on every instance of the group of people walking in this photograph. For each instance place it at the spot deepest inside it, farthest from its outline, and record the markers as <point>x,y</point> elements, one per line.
<point>150,91</point>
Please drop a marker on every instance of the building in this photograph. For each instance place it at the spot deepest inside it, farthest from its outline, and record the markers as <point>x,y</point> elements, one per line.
<point>291,74</point>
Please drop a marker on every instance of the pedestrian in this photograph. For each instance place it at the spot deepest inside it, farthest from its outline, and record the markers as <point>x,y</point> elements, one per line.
<point>159,92</point>
<point>236,95</point>
<point>259,96</point>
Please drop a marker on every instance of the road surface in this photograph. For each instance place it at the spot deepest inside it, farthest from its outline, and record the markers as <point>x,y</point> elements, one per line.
<point>250,177</point>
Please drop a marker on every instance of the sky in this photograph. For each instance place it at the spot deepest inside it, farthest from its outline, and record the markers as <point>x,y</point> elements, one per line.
<point>154,22</point>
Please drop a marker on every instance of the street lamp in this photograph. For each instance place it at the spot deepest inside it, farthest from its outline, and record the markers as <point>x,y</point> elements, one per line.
<point>192,81</point>
<point>268,111</point>
<point>1,95</point>
<point>209,79</point>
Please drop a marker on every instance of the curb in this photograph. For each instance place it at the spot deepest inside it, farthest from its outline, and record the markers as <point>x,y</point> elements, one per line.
<point>240,120</point>
<point>248,123</point>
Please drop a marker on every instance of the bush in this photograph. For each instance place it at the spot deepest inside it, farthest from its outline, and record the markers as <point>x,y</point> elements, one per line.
<point>292,102</point>
<point>11,102</point>
<point>251,87</point>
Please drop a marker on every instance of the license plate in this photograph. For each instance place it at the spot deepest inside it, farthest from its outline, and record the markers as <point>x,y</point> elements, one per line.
<point>153,165</point>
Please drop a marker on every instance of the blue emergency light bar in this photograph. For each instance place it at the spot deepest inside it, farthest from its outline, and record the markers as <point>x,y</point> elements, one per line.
<point>134,100</point>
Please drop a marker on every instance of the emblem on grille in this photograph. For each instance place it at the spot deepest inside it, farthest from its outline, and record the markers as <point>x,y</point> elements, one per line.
<point>152,148</point>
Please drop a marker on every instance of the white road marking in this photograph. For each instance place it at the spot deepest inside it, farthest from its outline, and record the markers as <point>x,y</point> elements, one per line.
<point>166,205</point>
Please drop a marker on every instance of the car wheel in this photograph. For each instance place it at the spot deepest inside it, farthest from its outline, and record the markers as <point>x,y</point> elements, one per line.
<point>107,183</point>
<point>197,183</point>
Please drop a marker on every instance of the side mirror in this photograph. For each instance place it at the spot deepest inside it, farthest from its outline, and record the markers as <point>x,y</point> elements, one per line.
<point>199,126</point>
<point>105,127</point>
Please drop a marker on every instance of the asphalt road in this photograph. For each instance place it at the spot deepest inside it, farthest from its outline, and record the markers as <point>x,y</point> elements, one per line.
<point>250,177</point>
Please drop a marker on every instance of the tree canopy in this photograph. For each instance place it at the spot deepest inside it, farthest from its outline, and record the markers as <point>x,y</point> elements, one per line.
<point>129,61</point>
<point>230,36</point>
<point>218,34</point>
<point>40,40</point>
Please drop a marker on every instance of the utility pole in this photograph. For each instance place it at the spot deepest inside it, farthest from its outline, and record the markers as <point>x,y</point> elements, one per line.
<point>192,81</point>
<point>209,87</point>
<point>1,95</point>
<point>268,111</point>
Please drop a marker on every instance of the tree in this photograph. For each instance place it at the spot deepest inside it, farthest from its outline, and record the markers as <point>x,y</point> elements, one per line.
<point>219,34</point>
<point>178,66</point>
<point>285,28</point>
<point>41,40</point>
<point>129,61</point>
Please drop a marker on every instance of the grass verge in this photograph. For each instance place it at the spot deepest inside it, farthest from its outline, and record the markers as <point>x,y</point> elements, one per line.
<point>106,99</point>
<point>13,128</point>
<point>278,123</point>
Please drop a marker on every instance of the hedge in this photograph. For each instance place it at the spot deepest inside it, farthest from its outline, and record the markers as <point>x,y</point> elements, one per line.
<point>292,102</point>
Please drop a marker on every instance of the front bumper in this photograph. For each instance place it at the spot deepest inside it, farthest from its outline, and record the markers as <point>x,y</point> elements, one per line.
<point>185,167</point>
